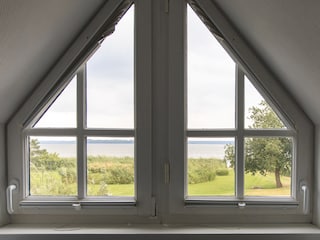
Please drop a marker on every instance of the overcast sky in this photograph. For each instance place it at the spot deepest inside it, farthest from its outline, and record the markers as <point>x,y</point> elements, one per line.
<point>211,83</point>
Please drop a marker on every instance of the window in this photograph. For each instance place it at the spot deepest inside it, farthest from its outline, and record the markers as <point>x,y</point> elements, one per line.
<point>80,145</point>
<point>98,99</point>
<point>226,156</point>
<point>166,120</point>
<point>235,149</point>
<point>93,155</point>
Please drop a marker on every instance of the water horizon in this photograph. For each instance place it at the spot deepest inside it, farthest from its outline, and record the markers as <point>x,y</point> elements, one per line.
<point>195,150</point>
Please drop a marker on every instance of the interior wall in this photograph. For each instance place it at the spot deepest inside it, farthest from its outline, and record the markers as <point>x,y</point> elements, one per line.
<point>316,207</point>
<point>4,218</point>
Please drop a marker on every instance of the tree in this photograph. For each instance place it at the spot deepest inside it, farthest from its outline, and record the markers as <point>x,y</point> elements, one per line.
<point>41,159</point>
<point>265,154</point>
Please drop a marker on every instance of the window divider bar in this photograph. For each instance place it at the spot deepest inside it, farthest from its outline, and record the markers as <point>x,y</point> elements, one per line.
<point>269,133</point>
<point>75,131</point>
<point>81,144</point>
<point>50,132</point>
<point>211,133</point>
<point>109,132</point>
<point>246,133</point>
<point>239,157</point>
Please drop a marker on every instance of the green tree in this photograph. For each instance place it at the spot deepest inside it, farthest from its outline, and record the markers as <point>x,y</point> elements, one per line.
<point>265,154</point>
<point>41,159</point>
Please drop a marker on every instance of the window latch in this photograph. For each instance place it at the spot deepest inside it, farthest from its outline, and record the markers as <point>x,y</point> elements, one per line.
<point>9,194</point>
<point>305,199</point>
<point>76,206</point>
<point>241,204</point>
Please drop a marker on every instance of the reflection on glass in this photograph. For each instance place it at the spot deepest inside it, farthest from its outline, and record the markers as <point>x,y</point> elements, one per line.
<point>62,112</point>
<point>110,166</point>
<point>258,113</point>
<point>211,79</point>
<point>268,162</point>
<point>53,166</point>
<point>211,167</point>
<point>110,79</point>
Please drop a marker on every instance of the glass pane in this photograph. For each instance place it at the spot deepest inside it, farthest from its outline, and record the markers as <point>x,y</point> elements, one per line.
<point>110,166</point>
<point>211,79</point>
<point>268,162</point>
<point>62,112</point>
<point>110,83</point>
<point>210,167</point>
<point>53,166</point>
<point>258,113</point>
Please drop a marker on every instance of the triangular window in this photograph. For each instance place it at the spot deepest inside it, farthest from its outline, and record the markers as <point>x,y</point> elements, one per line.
<point>226,118</point>
<point>100,98</point>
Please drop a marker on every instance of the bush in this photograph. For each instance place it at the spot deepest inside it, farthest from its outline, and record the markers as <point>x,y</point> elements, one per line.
<point>203,169</point>
<point>68,176</point>
<point>110,170</point>
<point>222,172</point>
<point>120,174</point>
<point>201,175</point>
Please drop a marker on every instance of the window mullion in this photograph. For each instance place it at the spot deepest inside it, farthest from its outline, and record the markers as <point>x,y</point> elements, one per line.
<point>240,135</point>
<point>81,124</point>
<point>143,107</point>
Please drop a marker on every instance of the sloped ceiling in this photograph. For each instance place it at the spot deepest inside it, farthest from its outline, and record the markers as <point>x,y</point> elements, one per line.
<point>286,36</point>
<point>33,35</point>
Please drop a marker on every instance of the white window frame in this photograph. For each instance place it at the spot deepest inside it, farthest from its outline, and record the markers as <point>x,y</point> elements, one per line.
<point>219,210</point>
<point>20,127</point>
<point>160,118</point>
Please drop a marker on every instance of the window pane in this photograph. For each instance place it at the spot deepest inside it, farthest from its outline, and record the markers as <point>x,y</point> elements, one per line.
<point>53,166</point>
<point>211,79</point>
<point>110,83</point>
<point>210,167</point>
<point>258,113</point>
<point>268,164</point>
<point>110,166</point>
<point>62,112</point>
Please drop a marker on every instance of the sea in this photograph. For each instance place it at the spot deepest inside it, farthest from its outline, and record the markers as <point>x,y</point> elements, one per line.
<point>195,150</point>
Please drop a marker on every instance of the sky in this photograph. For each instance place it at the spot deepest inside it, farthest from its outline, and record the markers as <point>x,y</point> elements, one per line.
<point>110,83</point>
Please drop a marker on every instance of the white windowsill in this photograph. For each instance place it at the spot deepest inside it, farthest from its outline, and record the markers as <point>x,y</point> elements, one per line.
<point>154,229</point>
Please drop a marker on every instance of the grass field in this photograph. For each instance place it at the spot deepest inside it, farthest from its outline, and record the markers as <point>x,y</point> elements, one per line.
<point>257,185</point>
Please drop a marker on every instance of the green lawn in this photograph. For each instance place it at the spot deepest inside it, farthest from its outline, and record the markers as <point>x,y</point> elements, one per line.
<point>50,184</point>
<point>257,185</point>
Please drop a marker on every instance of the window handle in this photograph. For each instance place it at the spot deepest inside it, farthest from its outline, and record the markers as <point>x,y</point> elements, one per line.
<point>10,190</point>
<point>305,199</point>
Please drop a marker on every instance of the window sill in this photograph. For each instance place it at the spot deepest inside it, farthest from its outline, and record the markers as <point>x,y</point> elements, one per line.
<point>129,231</point>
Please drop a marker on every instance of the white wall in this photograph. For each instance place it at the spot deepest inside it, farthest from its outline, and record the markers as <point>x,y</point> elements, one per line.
<point>316,208</point>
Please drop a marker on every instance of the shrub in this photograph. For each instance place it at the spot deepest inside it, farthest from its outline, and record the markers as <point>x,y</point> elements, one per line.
<point>120,174</point>
<point>68,175</point>
<point>202,170</point>
<point>222,172</point>
<point>110,170</point>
